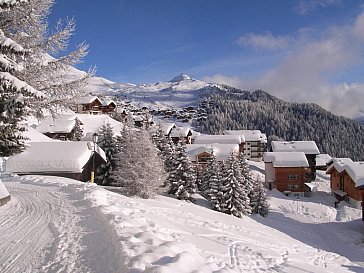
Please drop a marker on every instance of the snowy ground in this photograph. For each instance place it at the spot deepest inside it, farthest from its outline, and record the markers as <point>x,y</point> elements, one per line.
<point>58,225</point>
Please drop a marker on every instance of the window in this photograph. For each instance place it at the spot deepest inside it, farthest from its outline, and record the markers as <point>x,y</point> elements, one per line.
<point>293,176</point>
<point>293,186</point>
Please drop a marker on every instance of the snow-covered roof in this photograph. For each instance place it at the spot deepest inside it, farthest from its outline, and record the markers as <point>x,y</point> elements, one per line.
<point>62,156</point>
<point>221,151</point>
<point>108,102</point>
<point>354,169</point>
<point>87,99</point>
<point>222,139</point>
<point>91,124</point>
<point>50,125</point>
<point>308,147</point>
<point>167,127</point>
<point>286,159</point>
<point>180,131</point>
<point>248,135</point>
<point>33,135</point>
<point>323,159</point>
<point>3,191</point>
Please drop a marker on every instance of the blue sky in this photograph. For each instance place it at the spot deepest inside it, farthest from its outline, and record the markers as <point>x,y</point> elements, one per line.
<point>298,50</point>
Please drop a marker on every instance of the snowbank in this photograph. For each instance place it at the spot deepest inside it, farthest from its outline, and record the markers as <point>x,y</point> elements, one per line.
<point>4,194</point>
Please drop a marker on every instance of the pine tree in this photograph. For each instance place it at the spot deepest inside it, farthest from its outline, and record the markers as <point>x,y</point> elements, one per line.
<point>107,143</point>
<point>15,94</point>
<point>258,200</point>
<point>138,167</point>
<point>78,131</point>
<point>46,65</point>
<point>165,147</point>
<point>212,183</point>
<point>235,199</point>
<point>181,179</point>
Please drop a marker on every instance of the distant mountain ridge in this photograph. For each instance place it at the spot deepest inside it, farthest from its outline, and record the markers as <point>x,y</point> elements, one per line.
<point>232,108</point>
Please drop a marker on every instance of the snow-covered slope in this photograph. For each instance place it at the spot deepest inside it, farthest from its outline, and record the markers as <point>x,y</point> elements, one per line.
<point>181,91</point>
<point>115,233</point>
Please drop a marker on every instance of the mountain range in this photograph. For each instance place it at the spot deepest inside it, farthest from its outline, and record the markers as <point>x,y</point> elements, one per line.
<point>231,108</point>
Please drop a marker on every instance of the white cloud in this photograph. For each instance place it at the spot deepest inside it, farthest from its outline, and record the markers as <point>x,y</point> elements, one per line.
<point>264,41</point>
<point>305,6</point>
<point>309,70</point>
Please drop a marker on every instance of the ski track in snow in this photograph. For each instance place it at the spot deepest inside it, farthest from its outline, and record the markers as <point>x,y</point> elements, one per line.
<point>46,227</point>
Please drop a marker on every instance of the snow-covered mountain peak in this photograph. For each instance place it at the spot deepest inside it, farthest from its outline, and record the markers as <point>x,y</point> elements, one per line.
<point>181,77</point>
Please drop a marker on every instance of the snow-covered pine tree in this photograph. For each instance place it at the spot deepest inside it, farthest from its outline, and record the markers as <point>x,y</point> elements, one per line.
<point>15,94</point>
<point>165,147</point>
<point>138,167</point>
<point>45,68</point>
<point>247,178</point>
<point>212,182</point>
<point>107,143</point>
<point>235,199</point>
<point>259,200</point>
<point>181,179</point>
<point>78,131</point>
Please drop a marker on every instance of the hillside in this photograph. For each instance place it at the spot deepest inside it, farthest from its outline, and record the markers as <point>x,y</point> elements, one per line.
<point>230,108</point>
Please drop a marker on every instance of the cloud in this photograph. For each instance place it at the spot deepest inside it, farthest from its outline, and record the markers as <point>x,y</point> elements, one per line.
<point>311,69</point>
<point>306,6</point>
<point>264,41</point>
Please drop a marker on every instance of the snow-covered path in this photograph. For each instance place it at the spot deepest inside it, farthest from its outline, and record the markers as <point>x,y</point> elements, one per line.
<point>51,228</point>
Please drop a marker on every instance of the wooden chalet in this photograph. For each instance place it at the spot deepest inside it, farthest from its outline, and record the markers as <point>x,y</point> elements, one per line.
<point>309,148</point>
<point>288,172</point>
<point>347,181</point>
<point>200,154</point>
<point>179,133</point>
<point>63,158</point>
<point>108,107</point>
<point>88,105</point>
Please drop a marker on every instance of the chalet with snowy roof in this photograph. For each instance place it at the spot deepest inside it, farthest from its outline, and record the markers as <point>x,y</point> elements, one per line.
<point>62,127</point>
<point>347,181</point>
<point>255,143</point>
<point>88,105</point>
<point>309,148</point>
<point>167,128</point>
<point>220,139</point>
<point>288,172</point>
<point>63,158</point>
<point>179,133</point>
<point>199,154</point>
<point>108,107</point>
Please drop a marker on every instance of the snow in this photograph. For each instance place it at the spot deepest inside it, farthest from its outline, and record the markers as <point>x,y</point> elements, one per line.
<point>91,124</point>
<point>181,77</point>
<point>86,99</point>
<point>181,131</point>
<point>308,147</point>
<point>33,135</point>
<point>323,159</point>
<point>19,85</point>
<point>354,169</point>
<point>223,139</point>
<point>248,135</point>
<point>54,224</point>
<point>62,156</point>
<point>286,159</point>
<point>11,2</point>
<point>167,127</point>
<point>221,151</point>
<point>3,191</point>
